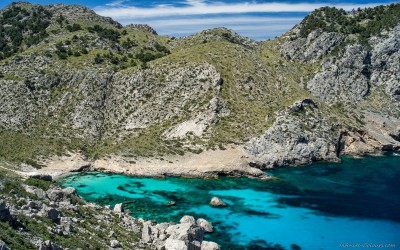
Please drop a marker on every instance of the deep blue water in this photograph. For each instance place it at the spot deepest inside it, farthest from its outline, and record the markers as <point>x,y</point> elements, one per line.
<point>319,206</point>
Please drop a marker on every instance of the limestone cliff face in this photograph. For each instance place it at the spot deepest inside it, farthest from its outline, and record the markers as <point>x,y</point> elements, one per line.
<point>349,77</point>
<point>299,135</point>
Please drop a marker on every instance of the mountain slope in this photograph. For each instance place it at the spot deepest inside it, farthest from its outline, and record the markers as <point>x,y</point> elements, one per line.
<point>328,86</point>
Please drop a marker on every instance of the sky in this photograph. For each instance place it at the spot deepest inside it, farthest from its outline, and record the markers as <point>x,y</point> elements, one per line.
<point>257,19</point>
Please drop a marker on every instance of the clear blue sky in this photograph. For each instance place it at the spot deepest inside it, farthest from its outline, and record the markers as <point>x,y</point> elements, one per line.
<point>258,19</point>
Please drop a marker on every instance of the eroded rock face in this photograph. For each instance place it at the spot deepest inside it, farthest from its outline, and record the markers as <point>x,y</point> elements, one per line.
<point>345,79</point>
<point>299,135</point>
<point>317,45</point>
<point>385,57</point>
<point>123,102</point>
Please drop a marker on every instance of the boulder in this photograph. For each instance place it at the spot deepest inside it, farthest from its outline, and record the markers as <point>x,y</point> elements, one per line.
<point>205,225</point>
<point>66,223</point>
<point>187,219</point>
<point>185,232</point>
<point>55,194</point>
<point>179,231</point>
<point>115,244</point>
<point>173,244</point>
<point>69,191</point>
<point>217,202</point>
<point>209,245</point>
<point>118,208</point>
<point>53,214</point>
<point>48,245</point>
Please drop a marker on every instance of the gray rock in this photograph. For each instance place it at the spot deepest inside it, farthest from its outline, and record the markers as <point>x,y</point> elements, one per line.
<point>209,245</point>
<point>187,219</point>
<point>317,45</point>
<point>300,134</point>
<point>66,223</point>
<point>339,81</point>
<point>146,233</point>
<point>174,244</point>
<point>48,245</point>
<point>118,208</point>
<point>40,193</point>
<point>3,246</point>
<point>217,202</point>
<point>207,226</point>
<point>185,232</point>
<point>179,231</point>
<point>69,191</point>
<point>115,244</point>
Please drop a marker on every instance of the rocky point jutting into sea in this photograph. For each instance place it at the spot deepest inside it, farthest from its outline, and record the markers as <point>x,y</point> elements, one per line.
<point>79,91</point>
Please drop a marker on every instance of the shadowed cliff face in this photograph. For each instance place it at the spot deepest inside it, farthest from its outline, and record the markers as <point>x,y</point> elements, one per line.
<point>85,83</point>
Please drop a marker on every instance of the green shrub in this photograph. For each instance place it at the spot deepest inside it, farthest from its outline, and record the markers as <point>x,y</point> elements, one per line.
<point>45,185</point>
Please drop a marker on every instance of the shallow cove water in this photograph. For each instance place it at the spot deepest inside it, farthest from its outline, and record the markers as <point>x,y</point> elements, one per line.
<point>320,206</point>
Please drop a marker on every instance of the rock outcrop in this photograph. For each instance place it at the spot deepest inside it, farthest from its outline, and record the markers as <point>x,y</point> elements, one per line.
<point>299,135</point>
<point>217,202</point>
<point>185,235</point>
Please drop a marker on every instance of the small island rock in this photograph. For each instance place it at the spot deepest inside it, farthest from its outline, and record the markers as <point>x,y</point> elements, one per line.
<point>217,202</point>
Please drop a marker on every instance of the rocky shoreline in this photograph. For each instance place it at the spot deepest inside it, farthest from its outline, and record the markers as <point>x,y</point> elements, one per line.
<point>233,161</point>
<point>62,213</point>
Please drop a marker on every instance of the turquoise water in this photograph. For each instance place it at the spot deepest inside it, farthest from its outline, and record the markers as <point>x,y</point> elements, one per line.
<point>320,206</point>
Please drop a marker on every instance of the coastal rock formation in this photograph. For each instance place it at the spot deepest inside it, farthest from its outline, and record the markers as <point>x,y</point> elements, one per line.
<point>299,135</point>
<point>185,235</point>
<point>217,202</point>
<point>205,225</point>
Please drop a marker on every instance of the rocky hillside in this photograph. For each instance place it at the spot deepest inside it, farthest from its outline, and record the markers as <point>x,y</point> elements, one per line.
<point>73,81</point>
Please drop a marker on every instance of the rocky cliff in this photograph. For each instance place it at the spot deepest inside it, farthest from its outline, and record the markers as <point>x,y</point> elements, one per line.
<point>86,84</point>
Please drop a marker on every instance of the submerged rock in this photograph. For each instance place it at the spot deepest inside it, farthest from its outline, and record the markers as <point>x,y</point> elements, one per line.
<point>217,202</point>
